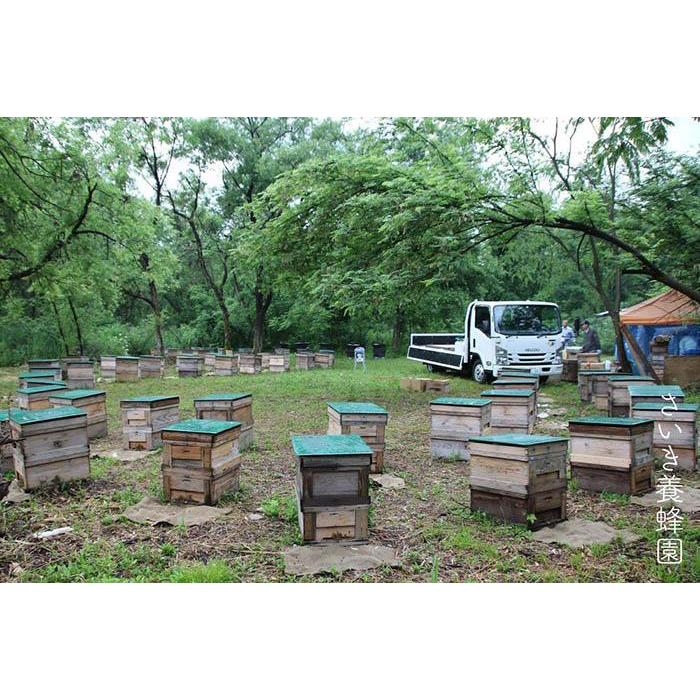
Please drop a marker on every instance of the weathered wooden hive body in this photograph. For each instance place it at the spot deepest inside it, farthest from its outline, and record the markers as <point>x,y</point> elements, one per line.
<point>325,359</point>
<point>674,427</point>
<point>519,383</point>
<point>512,411</point>
<point>453,421</point>
<point>36,398</point>
<point>126,368</point>
<point>618,397</point>
<point>654,393</point>
<point>364,419</point>
<point>79,373</point>
<point>47,365</point>
<point>50,444</point>
<point>151,367</point>
<point>190,365</point>
<point>225,365</point>
<point>519,478</point>
<point>92,401</point>
<point>279,363</point>
<point>144,417</point>
<point>36,378</point>
<point>612,454</point>
<point>229,407</point>
<point>108,367</point>
<point>305,360</point>
<point>201,461</point>
<point>332,487</point>
<point>249,363</point>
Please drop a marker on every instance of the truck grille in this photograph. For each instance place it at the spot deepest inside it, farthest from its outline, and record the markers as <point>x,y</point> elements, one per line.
<point>527,358</point>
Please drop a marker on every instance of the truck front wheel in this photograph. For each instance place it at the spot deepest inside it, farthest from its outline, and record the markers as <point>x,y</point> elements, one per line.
<point>479,374</point>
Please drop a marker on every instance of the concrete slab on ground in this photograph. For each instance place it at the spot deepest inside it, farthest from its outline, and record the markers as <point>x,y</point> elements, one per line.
<point>578,532</point>
<point>690,501</point>
<point>316,559</point>
<point>388,481</point>
<point>149,511</point>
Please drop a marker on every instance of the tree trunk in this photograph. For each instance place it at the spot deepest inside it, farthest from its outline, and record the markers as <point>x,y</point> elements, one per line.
<point>77,325</point>
<point>262,303</point>
<point>397,331</point>
<point>157,317</point>
<point>60,328</point>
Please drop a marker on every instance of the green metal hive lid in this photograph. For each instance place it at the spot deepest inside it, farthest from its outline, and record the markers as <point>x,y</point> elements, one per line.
<point>508,392</point>
<point>656,390</point>
<point>610,420</point>
<point>322,445</point>
<point>224,396</point>
<point>36,375</point>
<point>518,439</point>
<point>690,407</point>
<point>45,359</point>
<point>459,401</point>
<point>205,427</point>
<point>127,357</point>
<point>148,399</point>
<point>628,377</point>
<point>356,407</point>
<point>78,394</point>
<point>54,386</point>
<point>26,417</point>
<point>4,415</point>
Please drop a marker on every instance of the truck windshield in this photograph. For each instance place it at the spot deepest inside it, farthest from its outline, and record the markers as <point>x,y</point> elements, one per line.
<point>527,319</point>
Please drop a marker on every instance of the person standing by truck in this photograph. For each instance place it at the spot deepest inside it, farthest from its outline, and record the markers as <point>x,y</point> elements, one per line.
<point>591,343</point>
<point>567,334</point>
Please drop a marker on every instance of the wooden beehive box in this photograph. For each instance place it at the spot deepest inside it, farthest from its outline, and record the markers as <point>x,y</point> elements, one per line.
<point>225,365</point>
<point>570,371</point>
<point>584,358</point>
<point>126,368</point>
<point>517,383</point>
<point>441,386</point>
<point>358,418</point>
<point>201,461</point>
<point>618,397</point>
<point>79,373</point>
<point>612,454</point>
<point>519,478</point>
<point>108,367</point>
<point>189,365</point>
<point>50,444</point>
<point>279,363</point>
<point>305,360</point>
<point>92,401</point>
<point>585,382</point>
<point>249,363</point>
<point>599,390</point>
<point>37,378</point>
<point>512,410</point>
<point>332,487</point>
<point>654,393</point>
<point>144,417</point>
<point>675,427</point>
<point>325,359</point>
<point>265,361</point>
<point>6,463</point>
<point>41,365</point>
<point>210,361</point>
<point>453,421</point>
<point>151,367</point>
<point>229,407</point>
<point>36,398</point>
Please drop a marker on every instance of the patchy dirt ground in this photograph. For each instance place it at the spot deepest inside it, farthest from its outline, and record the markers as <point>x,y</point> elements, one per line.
<point>428,523</point>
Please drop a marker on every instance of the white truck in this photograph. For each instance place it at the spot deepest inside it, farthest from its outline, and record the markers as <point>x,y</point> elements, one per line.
<point>497,335</point>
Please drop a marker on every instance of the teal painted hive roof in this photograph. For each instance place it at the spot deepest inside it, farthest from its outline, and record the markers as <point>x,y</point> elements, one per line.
<point>656,390</point>
<point>518,439</point>
<point>609,420</point>
<point>508,392</point>
<point>224,397</point>
<point>205,427</point>
<point>627,377</point>
<point>36,375</point>
<point>690,407</point>
<point>46,384</point>
<point>329,445</point>
<point>3,415</point>
<point>26,417</point>
<point>127,357</point>
<point>458,401</point>
<point>54,386</point>
<point>148,399</point>
<point>78,394</point>
<point>45,359</point>
<point>356,407</point>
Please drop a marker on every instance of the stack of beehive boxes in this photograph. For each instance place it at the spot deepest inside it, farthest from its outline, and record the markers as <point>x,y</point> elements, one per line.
<point>28,379</point>
<point>92,401</point>
<point>36,398</point>
<point>659,352</point>
<point>145,417</point>
<point>47,365</point>
<point>600,388</point>
<point>618,396</point>
<point>201,461</point>
<point>151,367</point>
<point>612,454</point>
<point>225,365</point>
<point>279,363</point>
<point>79,373</point>
<point>108,367</point>
<point>654,393</point>
<point>364,419</point>
<point>589,360</point>
<point>265,361</point>
<point>305,360</point>
<point>249,363</point>
<point>325,359</point>
<point>210,361</point>
<point>332,487</point>
<point>675,431</point>
<point>453,421</point>
<point>190,365</point>
<point>519,478</point>
<point>126,368</point>
<point>512,410</point>
<point>236,407</point>
<point>49,445</point>
<point>519,383</point>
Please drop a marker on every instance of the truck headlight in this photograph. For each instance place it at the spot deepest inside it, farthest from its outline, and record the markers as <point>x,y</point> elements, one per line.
<point>501,355</point>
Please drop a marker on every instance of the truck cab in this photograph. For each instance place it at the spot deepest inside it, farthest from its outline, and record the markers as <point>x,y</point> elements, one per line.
<point>497,335</point>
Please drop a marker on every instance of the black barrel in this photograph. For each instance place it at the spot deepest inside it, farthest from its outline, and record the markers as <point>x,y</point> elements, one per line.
<point>350,349</point>
<point>378,351</point>
<point>301,346</point>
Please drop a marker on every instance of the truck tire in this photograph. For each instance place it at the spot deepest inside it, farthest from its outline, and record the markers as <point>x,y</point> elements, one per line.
<point>479,374</point>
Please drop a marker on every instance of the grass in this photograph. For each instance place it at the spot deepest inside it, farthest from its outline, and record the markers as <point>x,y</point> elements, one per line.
<point>429,522</point>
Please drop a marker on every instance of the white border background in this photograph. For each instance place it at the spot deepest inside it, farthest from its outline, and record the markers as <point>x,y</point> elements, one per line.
<point>363,59</point>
